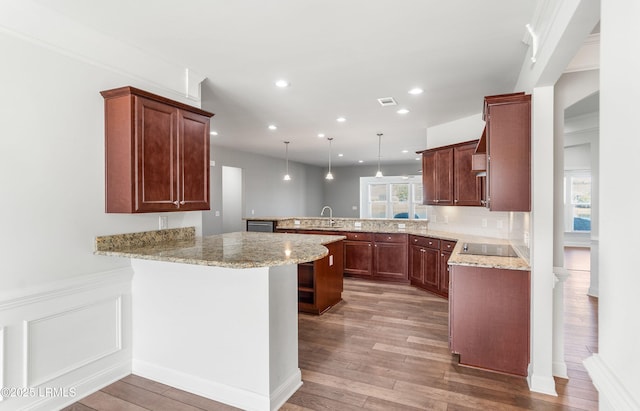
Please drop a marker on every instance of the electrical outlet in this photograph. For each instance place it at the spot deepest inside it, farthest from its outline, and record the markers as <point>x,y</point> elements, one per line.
<point>296,222</point>
<point>253,212</point>
<point>500,224</point>
<point>526,238</point>
<point>163,222</point>
<point>217,213</point>
<point>484,223</point>
<point>357,224</point>
<point>354,208</point>
<point>402,225</point>
<point>446,219</point>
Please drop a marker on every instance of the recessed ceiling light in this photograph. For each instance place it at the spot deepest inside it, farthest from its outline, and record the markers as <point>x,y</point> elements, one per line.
<point>282,83</point>
<point>341,119</point>
<point>213,133</point>
<point>340,155</point>
<point>416,91</point>
<point>417,158</point>
<point>405,151</point>
<point>402,111</point>
<point>272,127</point>
<point>360,161</point>
<point>321,135</point>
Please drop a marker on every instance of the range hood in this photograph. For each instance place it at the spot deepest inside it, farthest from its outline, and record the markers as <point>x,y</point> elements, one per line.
<point>479,156</point>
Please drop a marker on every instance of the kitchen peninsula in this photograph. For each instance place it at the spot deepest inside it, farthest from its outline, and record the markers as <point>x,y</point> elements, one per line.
<point>217,316</point>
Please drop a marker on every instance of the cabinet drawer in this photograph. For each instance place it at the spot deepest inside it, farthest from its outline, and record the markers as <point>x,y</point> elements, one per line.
<point>391,238</point>
<point>425,242</point>
<point>358,236</point>
<point>448,245</point>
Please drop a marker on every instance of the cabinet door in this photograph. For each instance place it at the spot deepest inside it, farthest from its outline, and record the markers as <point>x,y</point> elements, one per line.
<point>443,286</point>
<point>156,157</point>
<point>429,195</point>
<point>509,154</point>
<point>358,258</point>
<point>466,185</point>
<point>431,276</point>
<point>444,176</point>
<point>194,161</point>
<point>390,260</point>
<point>415,264</point>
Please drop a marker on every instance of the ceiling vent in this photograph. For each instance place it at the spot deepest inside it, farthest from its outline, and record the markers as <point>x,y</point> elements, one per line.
<point>387,101</point>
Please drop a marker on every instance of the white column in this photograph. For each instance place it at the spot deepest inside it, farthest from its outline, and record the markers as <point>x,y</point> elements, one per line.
<point>559,364</point>
<point>542,279</point>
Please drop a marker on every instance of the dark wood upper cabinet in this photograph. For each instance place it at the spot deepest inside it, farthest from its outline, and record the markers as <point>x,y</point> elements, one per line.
<point>156,153</point>
<point>467,185</point>
<point>508,134</point>
<point>437,176</point>
<point>447,176</point>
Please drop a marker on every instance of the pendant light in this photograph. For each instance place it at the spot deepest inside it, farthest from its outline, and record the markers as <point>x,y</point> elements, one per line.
<point>329,175</point>
<point>287,177</point>
<point>379,173</point>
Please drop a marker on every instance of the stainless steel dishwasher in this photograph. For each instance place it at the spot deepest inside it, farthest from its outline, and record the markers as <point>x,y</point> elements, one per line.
<point>261,226</point>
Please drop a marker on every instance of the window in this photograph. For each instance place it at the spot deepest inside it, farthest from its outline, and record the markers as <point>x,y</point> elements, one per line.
<point>391,197</point>
<point>577,203</point>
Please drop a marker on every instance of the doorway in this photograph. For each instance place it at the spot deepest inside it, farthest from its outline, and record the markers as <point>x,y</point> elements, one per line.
<point>232,207</point>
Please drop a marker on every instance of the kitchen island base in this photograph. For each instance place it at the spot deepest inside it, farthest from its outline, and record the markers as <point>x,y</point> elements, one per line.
<point>223,333</point>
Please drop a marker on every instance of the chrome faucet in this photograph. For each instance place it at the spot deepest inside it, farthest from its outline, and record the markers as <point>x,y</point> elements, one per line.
<point>330,214</point>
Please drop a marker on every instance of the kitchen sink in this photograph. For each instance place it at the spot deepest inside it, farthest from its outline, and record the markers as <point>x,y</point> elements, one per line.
<point>498,250</point>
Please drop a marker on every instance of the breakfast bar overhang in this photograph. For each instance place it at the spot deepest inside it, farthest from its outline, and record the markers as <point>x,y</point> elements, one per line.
<point>217,316</point>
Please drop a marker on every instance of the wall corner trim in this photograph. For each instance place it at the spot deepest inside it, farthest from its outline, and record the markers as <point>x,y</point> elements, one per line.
<point>611,391</point>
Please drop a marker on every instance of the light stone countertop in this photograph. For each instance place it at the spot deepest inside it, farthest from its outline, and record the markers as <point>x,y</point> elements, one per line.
<point>413,227</point>
<point>233,250</point>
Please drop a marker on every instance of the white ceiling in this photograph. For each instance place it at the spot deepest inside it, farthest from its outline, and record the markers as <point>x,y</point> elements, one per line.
<point>339,55</point>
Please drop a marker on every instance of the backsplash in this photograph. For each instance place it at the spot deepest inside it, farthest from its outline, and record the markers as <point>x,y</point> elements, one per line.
<point>469,220</point>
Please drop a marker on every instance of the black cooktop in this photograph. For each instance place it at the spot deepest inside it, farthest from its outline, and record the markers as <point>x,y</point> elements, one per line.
<point>499,250</point>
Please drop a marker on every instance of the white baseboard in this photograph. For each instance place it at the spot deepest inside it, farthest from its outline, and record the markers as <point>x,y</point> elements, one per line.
<point>64,340</point>
<point>559,369</point>
<point>233,396</point>
<point>613,396</point>
<point>541,384</point>
<point>85,387</point>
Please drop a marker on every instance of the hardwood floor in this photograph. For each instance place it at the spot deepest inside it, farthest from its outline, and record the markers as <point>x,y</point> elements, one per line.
<point>385,348</point>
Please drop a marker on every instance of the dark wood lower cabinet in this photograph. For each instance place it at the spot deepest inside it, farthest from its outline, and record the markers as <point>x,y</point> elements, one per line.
<point>390,257</point>
<point>489,318</point>
<point>358,254</point>
<point>428,264</point>
<point>376,256</point>
<point>320,281</point>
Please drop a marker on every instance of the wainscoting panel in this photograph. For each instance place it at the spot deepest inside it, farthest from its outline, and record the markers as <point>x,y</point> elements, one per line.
<point>62,341</point>
<point>65,341</point>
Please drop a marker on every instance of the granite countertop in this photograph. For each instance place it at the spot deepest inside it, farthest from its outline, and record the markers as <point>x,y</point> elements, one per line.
<point>391,226</point>
<point>233,250</point>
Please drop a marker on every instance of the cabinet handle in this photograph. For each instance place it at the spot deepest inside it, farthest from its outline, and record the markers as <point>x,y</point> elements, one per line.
<point>430,243</point>
<point>455,201</point>
<point>388,238</point>
<point>183,202</point>
<point>175,203</point>
<point>423,250</point>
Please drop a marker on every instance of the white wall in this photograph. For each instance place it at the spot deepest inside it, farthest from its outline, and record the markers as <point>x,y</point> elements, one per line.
<point>52,166</point>
<point>64,313</point>
<point>614,369</point>
<point>265,194</point>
